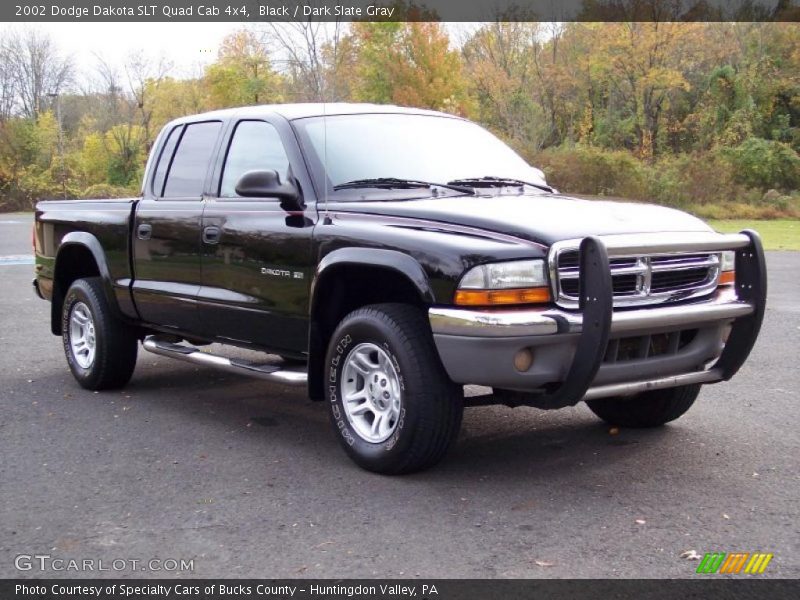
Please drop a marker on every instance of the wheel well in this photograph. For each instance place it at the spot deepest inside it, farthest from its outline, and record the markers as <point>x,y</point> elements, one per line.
<point>73,262</point>
<point>341,290</point>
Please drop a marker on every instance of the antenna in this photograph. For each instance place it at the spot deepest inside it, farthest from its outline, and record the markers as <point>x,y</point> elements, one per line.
<point>327,218</point>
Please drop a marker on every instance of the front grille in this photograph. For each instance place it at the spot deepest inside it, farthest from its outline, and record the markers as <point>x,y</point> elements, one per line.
<point>639,280</point>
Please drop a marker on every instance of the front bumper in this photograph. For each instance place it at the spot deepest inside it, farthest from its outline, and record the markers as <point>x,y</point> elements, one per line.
<point>569,348</point>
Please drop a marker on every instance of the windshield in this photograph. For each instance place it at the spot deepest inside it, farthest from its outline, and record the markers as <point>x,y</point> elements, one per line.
<point>406,146</point>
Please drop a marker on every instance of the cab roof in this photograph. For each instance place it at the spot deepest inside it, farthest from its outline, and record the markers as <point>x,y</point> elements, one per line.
<point>311,109</point>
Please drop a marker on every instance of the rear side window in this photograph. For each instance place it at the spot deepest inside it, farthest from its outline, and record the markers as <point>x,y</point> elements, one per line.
<point>256,146</point>
<point>190,165</point>
<point>163,161</point>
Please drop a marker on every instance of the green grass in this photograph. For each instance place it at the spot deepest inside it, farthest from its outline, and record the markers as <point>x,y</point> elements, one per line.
<point>780,234</point>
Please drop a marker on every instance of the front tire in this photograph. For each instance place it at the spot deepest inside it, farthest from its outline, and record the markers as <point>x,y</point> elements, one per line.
<point>648,409</point>
<point>100,349</point>
<point>392,405</point>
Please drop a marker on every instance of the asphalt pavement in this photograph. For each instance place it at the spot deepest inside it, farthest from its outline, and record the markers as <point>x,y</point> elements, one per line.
<point>248,480</point>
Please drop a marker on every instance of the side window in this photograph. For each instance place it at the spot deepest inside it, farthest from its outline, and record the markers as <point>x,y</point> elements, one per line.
<point>255,146</point>
<point>188,171</point>
<point>163,160</point>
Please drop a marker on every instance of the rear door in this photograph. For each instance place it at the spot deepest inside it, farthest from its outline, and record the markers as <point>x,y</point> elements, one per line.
<point>166,231</point>
<point>256,255</point>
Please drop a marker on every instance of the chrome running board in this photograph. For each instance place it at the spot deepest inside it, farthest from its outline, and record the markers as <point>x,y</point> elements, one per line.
<point>276,373</point>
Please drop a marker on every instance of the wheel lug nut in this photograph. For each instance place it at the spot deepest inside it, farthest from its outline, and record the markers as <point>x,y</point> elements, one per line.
<point>386,395</point>
<point>383,382</point>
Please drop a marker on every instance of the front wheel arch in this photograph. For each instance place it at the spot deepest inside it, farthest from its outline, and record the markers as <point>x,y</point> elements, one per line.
<point>344,287</point>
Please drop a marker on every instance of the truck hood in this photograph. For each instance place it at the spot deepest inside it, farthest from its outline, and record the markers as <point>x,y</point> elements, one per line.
<point>541,218</point>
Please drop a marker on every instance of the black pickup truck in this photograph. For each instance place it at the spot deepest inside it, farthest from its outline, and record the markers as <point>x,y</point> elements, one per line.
<point>385,257</point>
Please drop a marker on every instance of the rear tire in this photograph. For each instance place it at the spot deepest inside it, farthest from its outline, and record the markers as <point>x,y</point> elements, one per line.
<point>648,409</point>
<point>393,406</point>
<point>100,349</point>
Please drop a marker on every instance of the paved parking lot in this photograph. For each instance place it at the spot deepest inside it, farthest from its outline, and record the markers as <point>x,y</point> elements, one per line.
<point>249,481</point>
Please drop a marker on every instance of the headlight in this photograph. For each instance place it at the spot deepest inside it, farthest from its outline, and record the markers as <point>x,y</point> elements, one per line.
<point>727,264</point>
<point>513,282</point>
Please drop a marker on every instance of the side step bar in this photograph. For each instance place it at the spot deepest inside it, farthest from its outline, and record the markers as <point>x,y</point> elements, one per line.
<point>276,373</point>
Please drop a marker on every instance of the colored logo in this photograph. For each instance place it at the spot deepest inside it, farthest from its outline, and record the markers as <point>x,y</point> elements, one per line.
<point>734,562</point>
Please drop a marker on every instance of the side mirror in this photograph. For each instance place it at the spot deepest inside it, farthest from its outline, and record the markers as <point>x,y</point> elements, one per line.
<point>267,183</point>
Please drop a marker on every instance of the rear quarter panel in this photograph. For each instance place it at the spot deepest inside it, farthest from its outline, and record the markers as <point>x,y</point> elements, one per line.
<point>107,220</point>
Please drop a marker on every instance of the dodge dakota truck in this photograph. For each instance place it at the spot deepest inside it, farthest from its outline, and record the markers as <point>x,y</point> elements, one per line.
<point>384,258</point>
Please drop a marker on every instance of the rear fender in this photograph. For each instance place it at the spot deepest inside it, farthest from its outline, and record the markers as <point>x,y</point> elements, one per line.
<point>65,273</point>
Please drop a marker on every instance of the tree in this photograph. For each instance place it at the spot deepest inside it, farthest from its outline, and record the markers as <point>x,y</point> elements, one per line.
<point>171,98</point>
<point>310,55</point>
<point>500,62</point>
<point>409,63</point>
<point>39,70</point>
<point>242,74</point>
<point>648,66</point>
<point>144,74</point>
<point>8,82</point>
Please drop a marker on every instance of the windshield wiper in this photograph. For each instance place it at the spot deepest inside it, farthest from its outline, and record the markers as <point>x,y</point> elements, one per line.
<point>398,183</point>
<point>492,181</point>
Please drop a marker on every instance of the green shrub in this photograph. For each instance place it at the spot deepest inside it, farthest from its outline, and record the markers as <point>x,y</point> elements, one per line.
<point>106,190</point>
<point>692,179</point>
<point>589,170</point>
<point>765,164</point>
<point>707,184</point>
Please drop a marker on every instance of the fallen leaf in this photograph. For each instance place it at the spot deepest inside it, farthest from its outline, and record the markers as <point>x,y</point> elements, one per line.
<point>690,555</point>
<point>724,516</point>
<point>640,521</point>
<point>544,563</point>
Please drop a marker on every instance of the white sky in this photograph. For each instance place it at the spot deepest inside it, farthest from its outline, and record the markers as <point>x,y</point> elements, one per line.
<point>189,46</point>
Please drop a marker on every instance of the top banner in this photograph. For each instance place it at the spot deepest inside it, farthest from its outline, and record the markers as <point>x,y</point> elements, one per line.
<point>398,10</point>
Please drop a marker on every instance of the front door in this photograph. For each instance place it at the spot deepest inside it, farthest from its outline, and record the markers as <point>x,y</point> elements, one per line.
<point>256,255</point>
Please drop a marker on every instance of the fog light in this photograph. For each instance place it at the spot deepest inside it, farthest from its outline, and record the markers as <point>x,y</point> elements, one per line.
<point>523,360</point>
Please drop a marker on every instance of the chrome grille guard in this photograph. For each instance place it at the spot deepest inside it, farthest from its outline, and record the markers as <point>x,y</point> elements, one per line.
<point>596,304</point>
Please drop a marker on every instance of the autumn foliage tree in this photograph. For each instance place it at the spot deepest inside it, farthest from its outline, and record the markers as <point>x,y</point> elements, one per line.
<point>704,116</point>
<point>410,64</point>
<point>242,73</point>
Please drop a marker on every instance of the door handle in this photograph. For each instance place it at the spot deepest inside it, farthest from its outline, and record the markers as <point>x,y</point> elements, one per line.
<point>211,235</point>
<point>144,231</point>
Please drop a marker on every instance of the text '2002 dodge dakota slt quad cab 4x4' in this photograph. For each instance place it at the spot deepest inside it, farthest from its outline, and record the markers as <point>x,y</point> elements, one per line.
<point>390,256</point>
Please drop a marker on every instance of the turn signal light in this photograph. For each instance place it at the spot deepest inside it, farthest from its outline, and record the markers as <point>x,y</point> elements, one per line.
<point>499,297</point>
<point>727,278</point>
